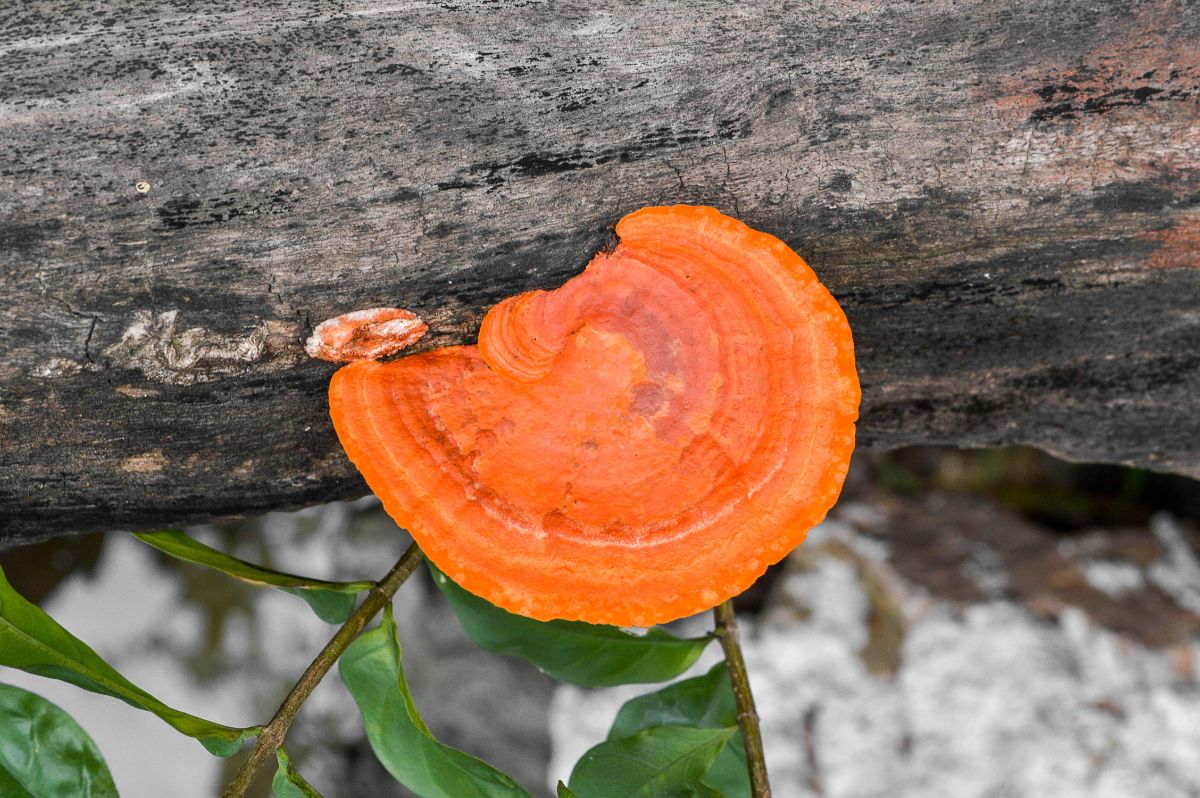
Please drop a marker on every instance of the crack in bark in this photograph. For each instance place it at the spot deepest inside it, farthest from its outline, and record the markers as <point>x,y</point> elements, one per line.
<point>87,342</point>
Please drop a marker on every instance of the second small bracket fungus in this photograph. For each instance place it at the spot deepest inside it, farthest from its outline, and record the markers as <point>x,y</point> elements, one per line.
<point>365,335</point>
<point>633,447</point>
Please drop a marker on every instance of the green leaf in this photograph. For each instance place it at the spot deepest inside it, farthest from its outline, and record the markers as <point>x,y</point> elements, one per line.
<point>32,641</point>
<point>698,789</point>
<point>371,669</point>
<point>563,792</point>
<point>333,602</point>
<point>572,651</point>
<point>44,753</point>
<point>288,783</point>
<point>729,776</point>
<point>704,702</point>
<point>660,762</point>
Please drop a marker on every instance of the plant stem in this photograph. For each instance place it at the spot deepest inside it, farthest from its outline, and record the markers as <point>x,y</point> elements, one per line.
<point>747,715</point>
<point>274,732</point>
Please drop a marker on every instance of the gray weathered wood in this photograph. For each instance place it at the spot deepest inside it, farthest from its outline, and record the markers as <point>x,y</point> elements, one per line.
<point>1004,196</point>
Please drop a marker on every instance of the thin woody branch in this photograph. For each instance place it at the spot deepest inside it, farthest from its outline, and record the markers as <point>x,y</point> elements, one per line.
<point>727,631</point>
<point>274,732</point>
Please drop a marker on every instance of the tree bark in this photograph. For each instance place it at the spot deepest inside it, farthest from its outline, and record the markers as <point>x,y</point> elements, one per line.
<point>1004,198</point>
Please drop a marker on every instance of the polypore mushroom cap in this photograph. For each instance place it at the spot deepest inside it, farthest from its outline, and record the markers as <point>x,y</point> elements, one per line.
<point>633,447</point>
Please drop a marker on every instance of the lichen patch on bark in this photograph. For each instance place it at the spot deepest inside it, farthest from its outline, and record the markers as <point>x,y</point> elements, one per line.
<point>150,462</point>
<point>134,392</point>
<point>56,367</point>
<point>153,344</point>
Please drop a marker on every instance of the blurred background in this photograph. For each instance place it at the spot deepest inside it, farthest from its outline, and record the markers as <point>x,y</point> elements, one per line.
<point>965,624</point>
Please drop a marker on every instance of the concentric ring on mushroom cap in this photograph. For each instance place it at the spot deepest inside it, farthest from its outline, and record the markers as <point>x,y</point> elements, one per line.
<point>633,447</point>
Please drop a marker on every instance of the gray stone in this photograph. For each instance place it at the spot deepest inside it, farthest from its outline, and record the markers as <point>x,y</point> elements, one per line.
<point>873,678</point>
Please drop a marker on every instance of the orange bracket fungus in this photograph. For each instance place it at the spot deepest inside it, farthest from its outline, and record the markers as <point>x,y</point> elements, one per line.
<point>633,447</point>
<point>365,335</point>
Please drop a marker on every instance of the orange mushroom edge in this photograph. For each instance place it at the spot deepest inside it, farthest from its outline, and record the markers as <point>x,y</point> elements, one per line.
<point>633,447</point>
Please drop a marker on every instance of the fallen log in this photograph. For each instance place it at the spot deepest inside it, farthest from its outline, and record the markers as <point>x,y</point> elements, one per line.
<point>1006,201</point>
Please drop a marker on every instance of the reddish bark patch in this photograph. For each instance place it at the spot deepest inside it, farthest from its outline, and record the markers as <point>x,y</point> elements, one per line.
<point>1178,245</point>
<point>1155,63</point>
<point>1127,111</point>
